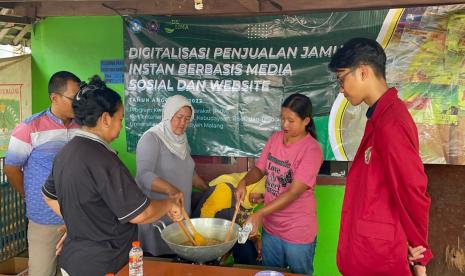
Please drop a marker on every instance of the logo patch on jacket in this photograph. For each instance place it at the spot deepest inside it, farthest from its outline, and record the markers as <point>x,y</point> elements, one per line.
<point>368,155</point>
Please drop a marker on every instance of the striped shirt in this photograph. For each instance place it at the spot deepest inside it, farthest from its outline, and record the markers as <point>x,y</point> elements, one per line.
<point>33,146</point>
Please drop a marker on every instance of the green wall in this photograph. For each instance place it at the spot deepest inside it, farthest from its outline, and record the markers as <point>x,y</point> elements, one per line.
<point>78,44</point>
<point>329,201</point>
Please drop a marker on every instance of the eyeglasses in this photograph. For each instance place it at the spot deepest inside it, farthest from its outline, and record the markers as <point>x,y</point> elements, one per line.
<point>340,79</point>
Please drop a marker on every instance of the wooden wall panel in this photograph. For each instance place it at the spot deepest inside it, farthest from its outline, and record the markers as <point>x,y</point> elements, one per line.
<point>446,186</point>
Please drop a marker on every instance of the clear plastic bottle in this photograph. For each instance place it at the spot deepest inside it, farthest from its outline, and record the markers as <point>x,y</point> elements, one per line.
<point>136,260</point>
<point>244,232</point>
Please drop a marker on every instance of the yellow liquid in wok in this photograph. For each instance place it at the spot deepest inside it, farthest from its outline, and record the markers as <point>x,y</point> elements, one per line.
<point>207,240</point>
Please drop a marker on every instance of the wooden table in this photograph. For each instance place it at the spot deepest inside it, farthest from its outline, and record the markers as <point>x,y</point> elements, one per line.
<point>152,268</point>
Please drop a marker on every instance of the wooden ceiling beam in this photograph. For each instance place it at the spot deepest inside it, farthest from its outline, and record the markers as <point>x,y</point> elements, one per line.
<point>4,11</point>
<point>16,19</point>
<point>211,7</point>
<point>5,30</point>
<point>7,5</point>
<point>21,34</point>
<point>36,1</point>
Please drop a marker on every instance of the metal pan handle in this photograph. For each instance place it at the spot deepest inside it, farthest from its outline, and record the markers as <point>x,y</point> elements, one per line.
<point>158,226</point>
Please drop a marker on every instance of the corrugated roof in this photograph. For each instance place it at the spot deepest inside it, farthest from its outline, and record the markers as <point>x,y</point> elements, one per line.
<point>12,29</point>
<point>15,27</point>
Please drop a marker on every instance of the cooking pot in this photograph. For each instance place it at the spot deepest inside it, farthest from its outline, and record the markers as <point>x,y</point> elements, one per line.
<point>209,228</point>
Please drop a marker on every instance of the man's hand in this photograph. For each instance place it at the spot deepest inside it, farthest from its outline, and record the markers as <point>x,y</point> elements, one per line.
<point>415,253</point>
<point>59,246</point>
<point>419,270</point>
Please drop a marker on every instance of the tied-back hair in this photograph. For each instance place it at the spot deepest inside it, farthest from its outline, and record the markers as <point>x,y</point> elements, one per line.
<point>302,106</point>
<point>93,100</point>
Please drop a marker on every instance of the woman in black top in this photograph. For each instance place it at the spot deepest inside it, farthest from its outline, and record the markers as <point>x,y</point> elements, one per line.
<point>94,191</point>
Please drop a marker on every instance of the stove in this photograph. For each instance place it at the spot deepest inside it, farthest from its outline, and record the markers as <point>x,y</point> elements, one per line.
<point>178,259</point>
<point>217,262</point>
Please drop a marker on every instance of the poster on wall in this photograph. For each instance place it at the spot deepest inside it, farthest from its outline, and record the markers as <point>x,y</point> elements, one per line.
<point>236,72</point>
<point>425,47</point>
<point>15,96</point>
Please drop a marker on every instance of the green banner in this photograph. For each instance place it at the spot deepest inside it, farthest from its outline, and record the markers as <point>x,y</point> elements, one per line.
<point>236,72</point>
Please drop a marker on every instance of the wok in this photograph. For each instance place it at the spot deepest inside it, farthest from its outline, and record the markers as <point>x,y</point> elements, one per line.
<point>210,228</point>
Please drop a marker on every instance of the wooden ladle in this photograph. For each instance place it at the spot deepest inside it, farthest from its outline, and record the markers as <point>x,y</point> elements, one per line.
<point>199,239</point>
<point>228,235</point>
<point>186,232</point>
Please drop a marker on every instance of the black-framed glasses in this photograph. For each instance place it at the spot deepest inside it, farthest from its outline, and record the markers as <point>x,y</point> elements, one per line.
<point>340,79</point>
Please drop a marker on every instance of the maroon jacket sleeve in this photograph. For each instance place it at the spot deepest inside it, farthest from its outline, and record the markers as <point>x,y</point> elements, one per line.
<point>404,170</point>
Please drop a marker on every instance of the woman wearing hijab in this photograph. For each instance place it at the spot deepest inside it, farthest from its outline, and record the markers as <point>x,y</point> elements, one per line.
<point>164,166</point>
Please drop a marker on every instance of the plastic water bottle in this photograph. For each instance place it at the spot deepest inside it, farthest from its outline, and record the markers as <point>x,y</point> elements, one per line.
<point>136,260</point>
<point>244,232</point>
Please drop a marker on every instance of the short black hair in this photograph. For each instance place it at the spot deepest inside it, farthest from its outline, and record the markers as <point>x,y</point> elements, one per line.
<point>93,100</point>
<point>358,51</point>
<point>59,80</point>
<point>302,106</point>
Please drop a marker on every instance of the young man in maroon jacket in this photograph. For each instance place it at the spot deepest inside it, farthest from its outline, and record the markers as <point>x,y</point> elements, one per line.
<point>385,205</point>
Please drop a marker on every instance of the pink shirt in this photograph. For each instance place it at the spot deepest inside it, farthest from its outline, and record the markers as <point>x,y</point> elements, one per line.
<point>282,164</point>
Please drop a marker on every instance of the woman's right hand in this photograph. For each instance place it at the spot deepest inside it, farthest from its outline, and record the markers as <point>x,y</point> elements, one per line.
<point>240,191</point>
<point>256,219</point>
<point>175,213</point>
